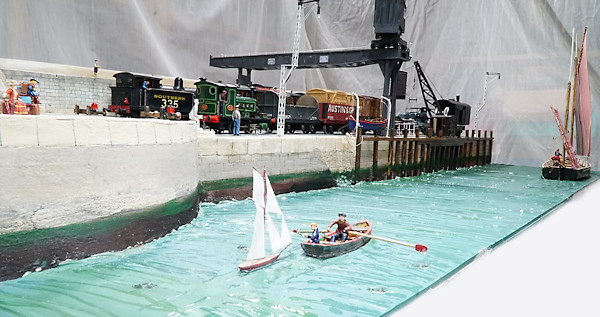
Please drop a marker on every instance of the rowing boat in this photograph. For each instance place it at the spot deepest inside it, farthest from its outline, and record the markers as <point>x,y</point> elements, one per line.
<point>326,249</point>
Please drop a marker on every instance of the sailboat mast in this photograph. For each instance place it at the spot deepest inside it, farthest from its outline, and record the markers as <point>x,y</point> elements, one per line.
<point>577,60</point>
<point>573,45</point>
<point>264,178</point>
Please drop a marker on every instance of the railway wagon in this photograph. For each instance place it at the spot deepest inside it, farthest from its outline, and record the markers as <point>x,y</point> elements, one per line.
<point>137,94</point>
<point>217,101</point>
<point>334,108</point>
<point>298,116</point>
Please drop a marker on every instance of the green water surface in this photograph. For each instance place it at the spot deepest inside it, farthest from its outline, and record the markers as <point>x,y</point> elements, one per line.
<point>193,270</point>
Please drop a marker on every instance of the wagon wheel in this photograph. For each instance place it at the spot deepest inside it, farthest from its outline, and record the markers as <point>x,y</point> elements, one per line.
<point>329,129</point>
<point>305,129</point>
<point>88,110</point>
<point>76,109</point>
<point>312,129</point>
<point>104,112</point>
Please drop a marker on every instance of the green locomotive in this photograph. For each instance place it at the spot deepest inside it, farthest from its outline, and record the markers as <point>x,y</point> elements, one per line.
<point>216,102</point>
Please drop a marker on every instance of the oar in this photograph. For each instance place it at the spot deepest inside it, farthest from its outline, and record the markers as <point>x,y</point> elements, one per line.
<point>418,247</point>
<point>307,231</point>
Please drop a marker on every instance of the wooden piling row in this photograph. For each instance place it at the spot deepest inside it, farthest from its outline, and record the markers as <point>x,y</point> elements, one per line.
<point>414,156</point>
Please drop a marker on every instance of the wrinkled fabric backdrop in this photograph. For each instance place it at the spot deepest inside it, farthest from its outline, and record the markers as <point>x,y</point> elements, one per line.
<point>456,42</point>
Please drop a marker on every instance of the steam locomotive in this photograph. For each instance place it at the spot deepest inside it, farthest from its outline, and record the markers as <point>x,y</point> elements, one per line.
<point>315,110</point>
<point>137,95</point>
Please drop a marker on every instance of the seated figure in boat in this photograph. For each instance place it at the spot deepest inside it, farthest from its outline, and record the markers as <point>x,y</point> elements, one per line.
<point>556,157</point>
<point>314,236</point>
<point>342,229</point>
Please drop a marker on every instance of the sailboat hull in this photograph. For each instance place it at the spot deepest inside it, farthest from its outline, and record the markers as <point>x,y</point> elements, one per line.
<point>559,172</point>
<point>249,265</point>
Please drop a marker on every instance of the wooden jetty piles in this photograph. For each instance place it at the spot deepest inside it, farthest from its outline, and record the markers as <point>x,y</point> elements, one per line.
<point>412,156</point>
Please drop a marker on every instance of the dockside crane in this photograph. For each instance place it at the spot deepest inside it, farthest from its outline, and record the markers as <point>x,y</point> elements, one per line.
<point>449,116</point>
<point>431,102</point>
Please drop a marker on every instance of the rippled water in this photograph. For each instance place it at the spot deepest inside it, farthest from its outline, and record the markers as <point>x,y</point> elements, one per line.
<point>193,271</point>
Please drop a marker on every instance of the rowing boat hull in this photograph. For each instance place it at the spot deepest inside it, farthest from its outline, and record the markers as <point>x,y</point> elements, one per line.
<point>368,125</point>
<point>327,249</point>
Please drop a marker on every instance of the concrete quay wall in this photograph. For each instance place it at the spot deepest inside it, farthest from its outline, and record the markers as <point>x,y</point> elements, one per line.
<point>59,170</point>
<point>230,157</point>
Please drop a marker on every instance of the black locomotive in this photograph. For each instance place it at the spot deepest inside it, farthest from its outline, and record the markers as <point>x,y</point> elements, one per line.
<point>137,95</point>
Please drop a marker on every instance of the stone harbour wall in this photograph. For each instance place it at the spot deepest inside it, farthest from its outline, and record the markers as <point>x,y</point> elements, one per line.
<point>59,170</point>
<point>61,87</point>
<point>60,93</point>
<point>227,157</point>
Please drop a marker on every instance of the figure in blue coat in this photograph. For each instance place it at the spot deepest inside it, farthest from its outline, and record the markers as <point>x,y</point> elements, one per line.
<point>31,91</point>
<point>314,236</point>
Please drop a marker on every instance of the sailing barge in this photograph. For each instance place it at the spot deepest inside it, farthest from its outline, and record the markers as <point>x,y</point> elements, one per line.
<point>574,165</point>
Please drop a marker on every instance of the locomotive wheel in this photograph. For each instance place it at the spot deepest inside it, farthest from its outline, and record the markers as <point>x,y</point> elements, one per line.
<point>104,112</point>
<point>329,129</point>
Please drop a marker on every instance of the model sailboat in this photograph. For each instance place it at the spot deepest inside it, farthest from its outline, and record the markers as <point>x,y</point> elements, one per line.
<point>574,165</point>
<point>266,205</point>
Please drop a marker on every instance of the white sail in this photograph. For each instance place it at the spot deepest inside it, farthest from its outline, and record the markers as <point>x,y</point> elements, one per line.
<point>257,249</point>
<point>285,239</point>
<point>274,236</point>
<point>266,203</point>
